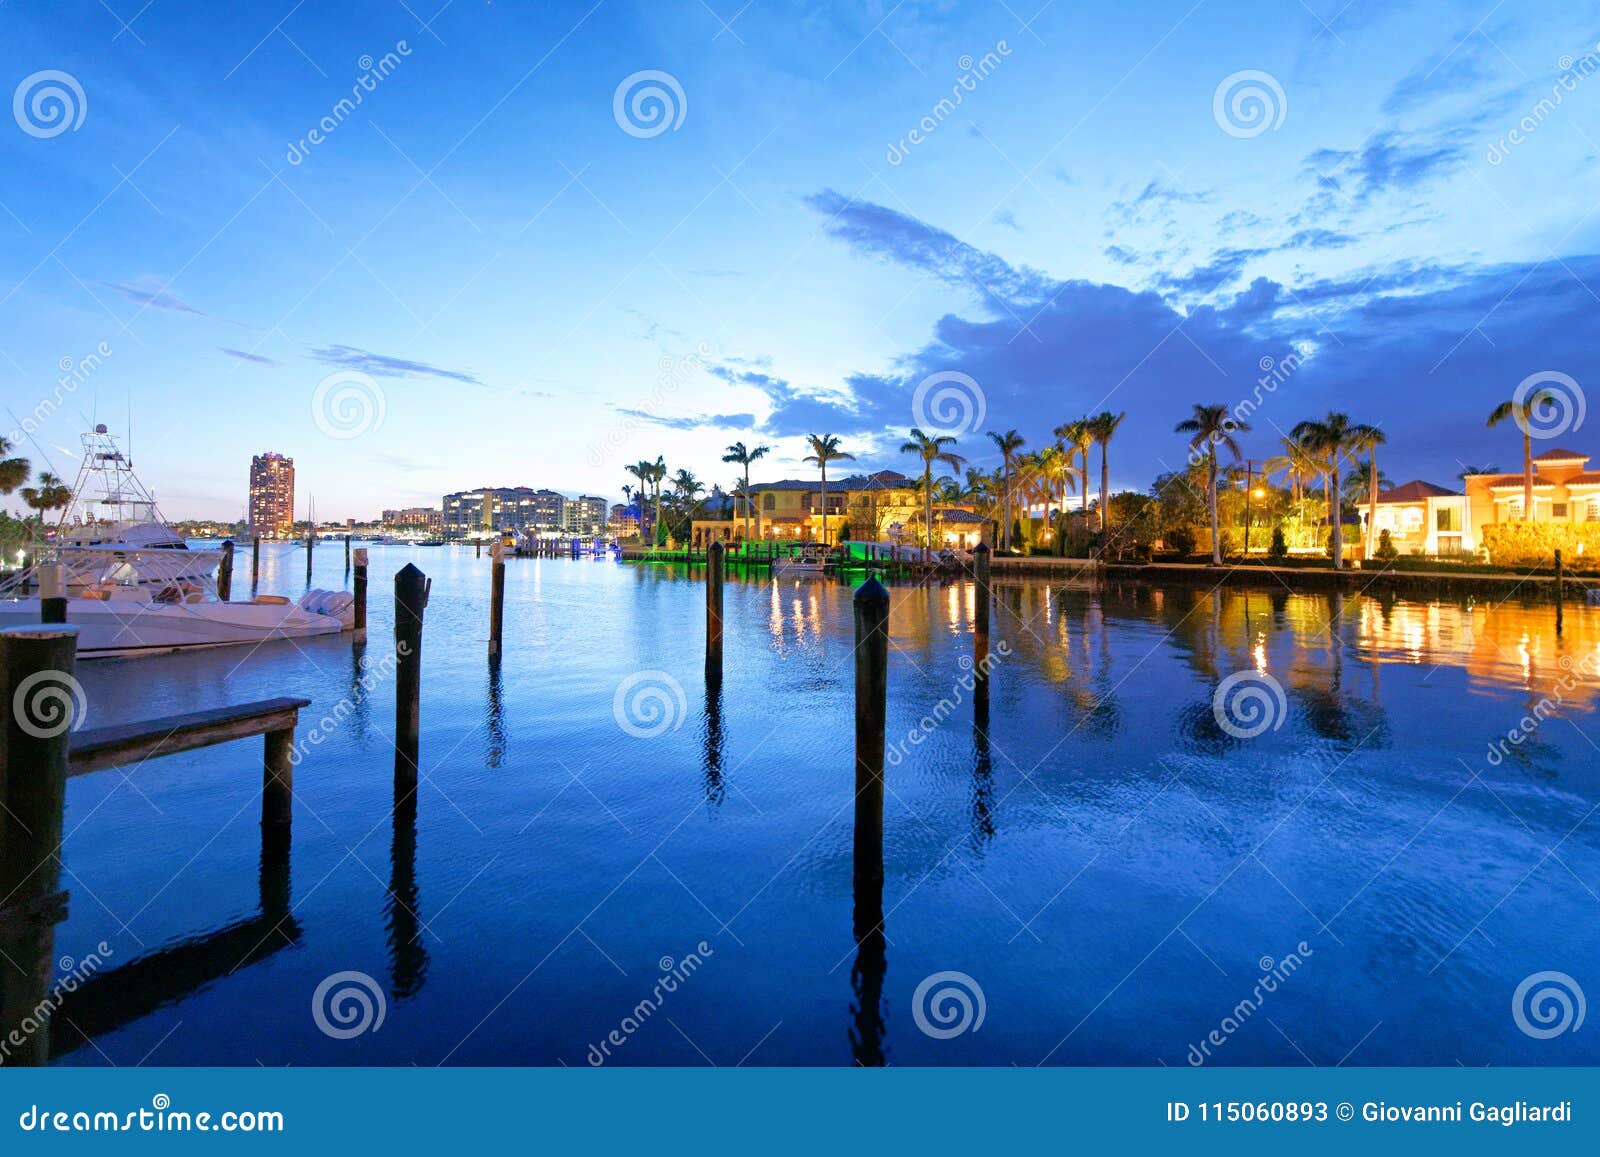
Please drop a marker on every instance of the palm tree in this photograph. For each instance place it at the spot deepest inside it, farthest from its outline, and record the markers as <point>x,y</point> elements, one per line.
<point>1055,465</point>
<point>658,472</point>
<point>1359,482</point>
<point>931,449</point>
<point>13,471</point>
<point>1522,413</point>
<point>1333,438</point>
<point>1369,438</point>
<point>1472,471</point>
<point>644,472</point>
<point>1009,443</point>
<point>825,449</point>
<point>50,494</point>
<point>1077,440</point>
<point>1212,426</point>
<point>743,456</point>
<point>1102,427</point>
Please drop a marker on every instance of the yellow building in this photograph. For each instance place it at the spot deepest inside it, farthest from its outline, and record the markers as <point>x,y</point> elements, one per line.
<point>1426,519</point>
<point>884,506</point>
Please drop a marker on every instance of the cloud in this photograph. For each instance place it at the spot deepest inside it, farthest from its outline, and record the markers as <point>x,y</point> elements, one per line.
<point>1224,267</point>
<point>152,293</point>
<point>1461,65</point>
<point>1005,218</point>
<point>1390,161</point>
<point>1369,342</point>
<point>701,422</point>
<point>383,366</point>
<point>885,234</point>
<point>244,357</point>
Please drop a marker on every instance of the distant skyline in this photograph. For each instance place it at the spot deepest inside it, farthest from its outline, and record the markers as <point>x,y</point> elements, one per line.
<point>424,247</point>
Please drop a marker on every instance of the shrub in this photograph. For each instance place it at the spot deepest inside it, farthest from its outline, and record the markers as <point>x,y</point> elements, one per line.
<point>1279,550</point>
<point>1535,543</point>
<point>1386,548</point>
<point>1180,539</point>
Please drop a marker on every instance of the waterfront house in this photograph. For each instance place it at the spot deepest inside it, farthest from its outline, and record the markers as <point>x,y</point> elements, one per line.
<point>1426,519</point>
<point>875,507</point>
<point>1422,518</point>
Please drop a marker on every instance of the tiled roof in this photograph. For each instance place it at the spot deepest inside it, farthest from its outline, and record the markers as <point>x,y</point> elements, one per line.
<point>1561,456</point>
<point>1587,478</point>
<point>880,480</point>
<point>1416,491</point>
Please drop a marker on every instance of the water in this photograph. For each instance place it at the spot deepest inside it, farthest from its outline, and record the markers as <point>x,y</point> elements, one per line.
<point>1110,866</point>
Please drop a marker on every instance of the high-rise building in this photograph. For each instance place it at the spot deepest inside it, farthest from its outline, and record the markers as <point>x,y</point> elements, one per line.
<point>502,508</point>
<point>272,496</point>
<point>586,514</point>
<point>412,518</point>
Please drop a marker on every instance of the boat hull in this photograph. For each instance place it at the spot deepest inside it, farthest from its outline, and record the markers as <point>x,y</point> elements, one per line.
<point>113,628</point>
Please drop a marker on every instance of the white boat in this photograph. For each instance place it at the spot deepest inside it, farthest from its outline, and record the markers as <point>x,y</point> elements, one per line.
<point>110,507</point>
<point>143,602</point>
<point>810,559</point>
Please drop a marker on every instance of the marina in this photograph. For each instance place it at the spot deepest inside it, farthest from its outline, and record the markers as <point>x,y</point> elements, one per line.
<point>638,806</point>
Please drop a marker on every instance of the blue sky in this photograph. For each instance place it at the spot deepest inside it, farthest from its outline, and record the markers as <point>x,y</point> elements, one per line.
<point>480,255</point>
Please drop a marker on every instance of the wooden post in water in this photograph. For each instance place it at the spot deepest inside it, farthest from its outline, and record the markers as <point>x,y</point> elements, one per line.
<point>714,561</point>
<point>872,689</point>
<point>255,561</point>
<point>359,589</point>
<point>497,594</point>
<point>1560,593</point>
<point>44,703</point>
<point>311,545</point>
<point>410,600</point>
<point>477,548</point>
<point>52,592</point>
<point>980,611</point>
<point>277,788</point>
<point>225,572</point>
<point>347,553</point>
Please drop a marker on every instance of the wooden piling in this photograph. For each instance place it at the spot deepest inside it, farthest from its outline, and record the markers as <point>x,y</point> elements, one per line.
<point>497,595</point>
<point>311,545</point>
<point>225,572</point>
<point>714,562</point>
<point>410,601</point>
<point>255,561</point>
<point>52,592</point>
<point>983,598</point>
<point>358,587</point>
<point>872,689</point>
<point>1560,590</point>
<point>43,699</point>
<point>277,785</point>
<point>347,553</point>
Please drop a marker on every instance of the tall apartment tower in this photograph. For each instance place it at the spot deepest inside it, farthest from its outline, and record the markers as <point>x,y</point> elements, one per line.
<point>272,496</point>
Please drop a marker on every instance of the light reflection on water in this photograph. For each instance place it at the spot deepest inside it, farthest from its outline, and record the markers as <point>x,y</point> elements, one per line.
<point>1087,843</point>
